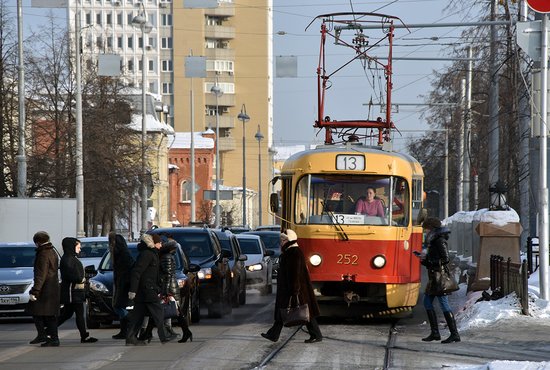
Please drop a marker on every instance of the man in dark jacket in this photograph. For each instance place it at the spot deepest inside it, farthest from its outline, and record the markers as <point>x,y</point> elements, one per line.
<point>122,265</point>
<point>73,295</point>
<point>44,295</point>
<point>145,290</point>
<point>293,281</point>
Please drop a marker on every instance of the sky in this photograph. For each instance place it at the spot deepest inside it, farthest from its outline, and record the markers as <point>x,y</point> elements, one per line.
<point>295,103</point>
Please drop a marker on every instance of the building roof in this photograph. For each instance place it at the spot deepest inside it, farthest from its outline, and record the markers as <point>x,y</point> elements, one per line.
<point>182,140</point>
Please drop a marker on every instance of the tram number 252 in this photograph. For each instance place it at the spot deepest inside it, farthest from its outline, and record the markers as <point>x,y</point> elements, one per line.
<point>347,259</point>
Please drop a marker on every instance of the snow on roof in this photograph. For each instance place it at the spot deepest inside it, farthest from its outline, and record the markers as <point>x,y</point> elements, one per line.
<point>499,218</point>
<point>182,140</point>
<point>284,152</point>
<point>152,124</point>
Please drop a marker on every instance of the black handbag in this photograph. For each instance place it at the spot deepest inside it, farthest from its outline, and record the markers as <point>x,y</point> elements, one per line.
<point>170,307</point>
<point>296,315</point>
<point>443,282</point>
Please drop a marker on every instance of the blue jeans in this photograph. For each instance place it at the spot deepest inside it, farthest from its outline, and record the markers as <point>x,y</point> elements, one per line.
<point>443,302</point>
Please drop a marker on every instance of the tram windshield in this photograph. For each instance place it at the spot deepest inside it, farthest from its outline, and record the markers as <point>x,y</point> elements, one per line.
<point>352,200</point>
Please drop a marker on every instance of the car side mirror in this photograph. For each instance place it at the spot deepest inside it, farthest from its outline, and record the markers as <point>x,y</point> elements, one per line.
<point>194,268</point>
<point>90,271</point>
<point>274,202</point>
<point>269,252</point>
<point>243,257</point>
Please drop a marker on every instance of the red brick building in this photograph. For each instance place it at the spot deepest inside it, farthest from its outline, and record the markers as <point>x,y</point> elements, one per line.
<point>179,178</point>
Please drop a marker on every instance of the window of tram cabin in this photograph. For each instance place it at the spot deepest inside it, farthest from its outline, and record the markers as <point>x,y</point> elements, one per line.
<point>417,194</point>
<point>328,199</point>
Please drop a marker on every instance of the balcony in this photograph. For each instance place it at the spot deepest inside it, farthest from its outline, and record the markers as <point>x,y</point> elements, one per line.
<point>219,32</point>
<point>223,10</point>
<point>227,144</point>
<point>225,54</point>
<point>225,121</point>
<point>227,100</point>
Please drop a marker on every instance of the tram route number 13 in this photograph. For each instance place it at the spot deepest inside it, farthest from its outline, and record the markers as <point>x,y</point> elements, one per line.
<point>350,162</point>
<point>347,259</point>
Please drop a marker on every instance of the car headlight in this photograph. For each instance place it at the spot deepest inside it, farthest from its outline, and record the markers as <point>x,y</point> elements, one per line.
<point>205,273</point>
<point>255,267</point>
<point>315,260</point>
<point>98,286</point>
<point>379,261</point>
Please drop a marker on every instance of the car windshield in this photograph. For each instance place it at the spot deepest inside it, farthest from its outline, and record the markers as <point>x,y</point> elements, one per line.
<point>250,246</point>
<point>226,245</point>
<point>95,249</point>
<point>195,244</point>
<point>271,241</point>
<point>18,256</point>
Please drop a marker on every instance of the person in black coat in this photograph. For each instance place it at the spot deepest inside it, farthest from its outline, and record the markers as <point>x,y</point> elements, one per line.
<point>73,295</point>
<point>44,295</point>
<point>293,280</point>
<point>170,288</point>
<point>436,258</point>
<point>122,264</point>
<point>145,290</point>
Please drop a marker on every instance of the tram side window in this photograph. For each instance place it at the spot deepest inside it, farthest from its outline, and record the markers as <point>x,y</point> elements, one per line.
<point>417,201</point>
<point>302,212</point>
<point>400,203</point>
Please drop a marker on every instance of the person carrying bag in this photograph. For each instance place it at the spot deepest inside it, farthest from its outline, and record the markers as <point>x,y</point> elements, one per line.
<point>293,281</point>
<point>295,314</point>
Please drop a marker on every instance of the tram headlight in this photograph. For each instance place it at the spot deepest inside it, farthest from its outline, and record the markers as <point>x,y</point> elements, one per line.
<point>315,260</point>
<point>379,261</point>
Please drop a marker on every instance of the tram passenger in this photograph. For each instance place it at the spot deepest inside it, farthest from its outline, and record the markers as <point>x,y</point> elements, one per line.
<point>293,279</point>
<point>437,256</point>
<point>370,205</point>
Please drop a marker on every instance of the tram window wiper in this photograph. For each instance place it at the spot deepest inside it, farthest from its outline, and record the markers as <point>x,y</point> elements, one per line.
<point>335,224</point>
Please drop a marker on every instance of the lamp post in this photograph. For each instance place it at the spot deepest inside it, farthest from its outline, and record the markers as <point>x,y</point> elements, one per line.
<point>79,152</point>
<point>244,117</point>
<point>259,137</point>
<point>140,21</point>
<point>217,92</point>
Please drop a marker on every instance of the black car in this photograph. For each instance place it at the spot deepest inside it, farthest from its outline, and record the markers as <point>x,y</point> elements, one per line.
<point>229,242</point>
<point>204,249</point>
<point>271,241</point>
<point>100,301</point>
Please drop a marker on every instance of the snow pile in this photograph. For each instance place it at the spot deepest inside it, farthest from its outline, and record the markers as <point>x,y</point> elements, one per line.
<point>507,365</point>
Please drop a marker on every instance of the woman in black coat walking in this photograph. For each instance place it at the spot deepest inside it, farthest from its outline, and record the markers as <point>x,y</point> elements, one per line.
<point>293,281</point>
<point>435,259</point>
<point>73,295</point>
<point>122,264</point>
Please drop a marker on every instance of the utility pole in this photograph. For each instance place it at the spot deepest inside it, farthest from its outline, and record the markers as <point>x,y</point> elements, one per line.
<point>493,102</point>
<point>467,129</point>
<point>21,154</point>
<point>460,181</point>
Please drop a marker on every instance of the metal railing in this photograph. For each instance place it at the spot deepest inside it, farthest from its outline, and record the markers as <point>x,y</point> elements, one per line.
<point>508,277</point>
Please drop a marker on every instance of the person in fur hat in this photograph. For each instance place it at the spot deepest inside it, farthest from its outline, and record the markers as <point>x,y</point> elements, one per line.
<point>145,290</point>
<point>293,280</point>
<point>73,295</point>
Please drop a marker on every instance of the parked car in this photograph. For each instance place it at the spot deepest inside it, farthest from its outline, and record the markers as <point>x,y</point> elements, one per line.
<point>258,265</point>
<point>271,241</point>
<point>16,277</point>
<point>268,228</point>
<point>229,242</point>
<point>204,249</point>
<point>100,302</point>
<point>92,250</point>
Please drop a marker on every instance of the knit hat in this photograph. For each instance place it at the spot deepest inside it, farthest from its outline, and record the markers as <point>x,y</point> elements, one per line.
<point>431,223</point>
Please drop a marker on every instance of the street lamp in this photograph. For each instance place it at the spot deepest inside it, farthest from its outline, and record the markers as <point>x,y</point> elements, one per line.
<point>140,21</point>
<point>259,137</point>
<point>217,92</point>
<point>244,117</point>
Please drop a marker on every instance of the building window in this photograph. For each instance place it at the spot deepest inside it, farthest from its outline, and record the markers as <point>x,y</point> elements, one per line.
<point>167,88</point>
<point>166,43</point>
<point>110,42</point>
<point>88,18</point>
<point>167,66</point>
<point>216,44</point>
<point>130,42</point>
<point>227,88</point>
<point>220,65</point>
<point>185,195</point>
<point>119,18</point>
<point>129,17</point>
<point>130,65</point>
<point>152,42</point>
<point>214,21</point>
<point>98,19</point>
<point>151,65</point>
<point>166,19</point>
<point>140,42</point>
<point>120,42</point>
<point>109,19</point>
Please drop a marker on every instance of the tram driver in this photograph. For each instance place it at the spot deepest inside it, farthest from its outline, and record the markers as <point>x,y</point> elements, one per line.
<point>370,205</point>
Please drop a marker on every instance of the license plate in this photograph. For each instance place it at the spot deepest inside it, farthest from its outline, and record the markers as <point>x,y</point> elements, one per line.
<point>9,300</point>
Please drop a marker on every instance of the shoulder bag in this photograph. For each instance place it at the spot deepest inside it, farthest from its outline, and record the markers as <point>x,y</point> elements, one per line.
<point>295,315</point>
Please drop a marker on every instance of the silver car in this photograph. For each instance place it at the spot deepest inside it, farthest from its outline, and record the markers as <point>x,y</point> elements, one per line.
<point>92,250</point>
<point>259,265</point>
<point>16,277</point>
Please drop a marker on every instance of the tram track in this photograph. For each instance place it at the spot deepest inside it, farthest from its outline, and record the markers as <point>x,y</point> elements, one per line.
<point>390,345</point>
<point>278,349</point>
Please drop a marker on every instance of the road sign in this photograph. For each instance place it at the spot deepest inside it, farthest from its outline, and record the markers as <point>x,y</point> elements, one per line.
<point>541,6</point>
<point>211,194</point>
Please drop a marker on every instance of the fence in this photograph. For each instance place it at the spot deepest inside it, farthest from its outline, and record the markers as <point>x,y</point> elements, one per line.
<point>509,277</point>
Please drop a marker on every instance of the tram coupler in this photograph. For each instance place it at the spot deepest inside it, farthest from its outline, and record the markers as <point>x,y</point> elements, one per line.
<point>351,297</point>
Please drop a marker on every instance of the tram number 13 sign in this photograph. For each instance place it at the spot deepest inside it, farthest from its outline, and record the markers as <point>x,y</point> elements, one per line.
<point>541,6</point>
<point>350,162</point>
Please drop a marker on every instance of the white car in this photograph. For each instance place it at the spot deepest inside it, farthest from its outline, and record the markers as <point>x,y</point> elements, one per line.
<point>92,250</point>
<point>16,277</point>
<point>259,265</point>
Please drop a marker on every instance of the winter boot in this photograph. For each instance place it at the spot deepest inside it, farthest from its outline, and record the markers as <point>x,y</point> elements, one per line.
<point>123,329</point>
<point>186,335</point>
<point>434,335</point>
<point>451,323</point>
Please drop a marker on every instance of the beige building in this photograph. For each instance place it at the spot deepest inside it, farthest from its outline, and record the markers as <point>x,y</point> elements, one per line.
<point>236,39</point>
